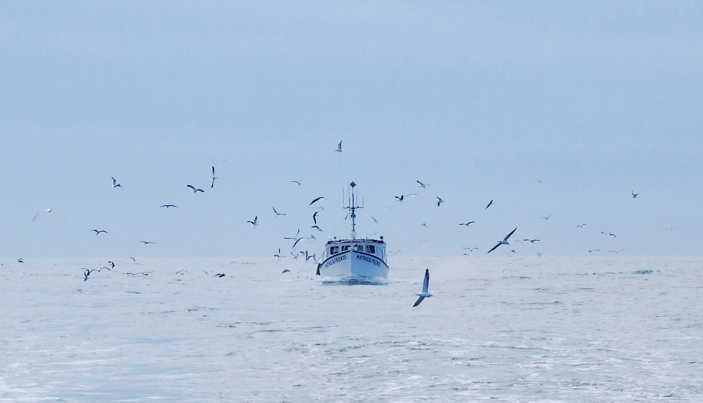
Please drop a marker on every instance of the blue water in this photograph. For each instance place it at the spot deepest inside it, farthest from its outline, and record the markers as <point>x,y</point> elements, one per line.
<point>532,330</point>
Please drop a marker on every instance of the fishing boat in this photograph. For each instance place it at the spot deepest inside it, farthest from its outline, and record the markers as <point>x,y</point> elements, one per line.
<point>354,259</point>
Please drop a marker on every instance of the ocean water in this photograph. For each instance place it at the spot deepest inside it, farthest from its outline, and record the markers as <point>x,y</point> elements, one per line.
<point>509,330</point>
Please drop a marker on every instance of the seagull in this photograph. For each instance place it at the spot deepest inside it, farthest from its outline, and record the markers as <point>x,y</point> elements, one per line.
<point>98,231</point>
<point>634,195</point>
<point>608,234</point>
<point>400,199</point>
<point>213,178</point>
<point>253,223</point>
<point>87,272</point>
<point>145,243</point>
<point>503,242</point>
<point>616,251</point>
<point>339,148</point>
<point>111,263</point>
<point>314,217</point>
<point>220,275</point>
<point>546,217</point>
<point>316,227</point>
<point>195,190</point>
<point>375,221</point>
<point>296,242</point>
<point>115,184</point>
<point>423,185</point>
<point>277,213</point>
<point>424,225</point>
<point>467,223</point>
<point>530,240</point>
<point>425,285</point>
<point>580,226</point>
<point>439,201</point>
<point>293,237</point>
<point>133,259</point>
<point>35,216</point>
<point>593,250</point>
<point>489,204</point>
<point>20,260</point>
<point>316,199</point>
<point>300,182</point>
<point>168,205</point>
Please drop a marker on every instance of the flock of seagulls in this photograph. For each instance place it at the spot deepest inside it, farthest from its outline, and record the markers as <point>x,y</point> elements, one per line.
<point>297,238</point>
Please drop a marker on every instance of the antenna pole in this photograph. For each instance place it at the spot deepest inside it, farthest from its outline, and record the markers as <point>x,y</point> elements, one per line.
<point>351,206</point>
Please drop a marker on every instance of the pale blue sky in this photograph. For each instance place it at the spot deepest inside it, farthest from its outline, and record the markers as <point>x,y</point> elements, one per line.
<point>479,99</point>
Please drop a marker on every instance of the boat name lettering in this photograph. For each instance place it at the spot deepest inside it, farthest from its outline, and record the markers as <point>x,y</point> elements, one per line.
<point>335,260</point>
<point>368,259</point>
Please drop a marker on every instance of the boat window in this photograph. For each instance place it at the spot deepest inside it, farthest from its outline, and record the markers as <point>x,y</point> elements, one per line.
<point>358,248</point>
<point>371,249</point>
<point>345,248</point>
<point>334,250</point>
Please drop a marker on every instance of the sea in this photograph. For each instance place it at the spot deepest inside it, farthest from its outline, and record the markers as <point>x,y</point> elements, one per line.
<point>538,329</point>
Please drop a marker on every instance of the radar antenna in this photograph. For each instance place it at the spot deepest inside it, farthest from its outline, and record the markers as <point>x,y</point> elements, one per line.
<point>351,206</point>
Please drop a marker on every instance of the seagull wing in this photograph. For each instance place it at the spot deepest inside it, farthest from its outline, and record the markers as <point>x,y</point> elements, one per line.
<point>418,301</point>
<point>508,236</point>
<point>192,187</point>
<point>316,199</point>
<point>426,282</point>
<point>296,242</point>
<point>494,248</point>
<point>314,217</point>
<point>489,203</point>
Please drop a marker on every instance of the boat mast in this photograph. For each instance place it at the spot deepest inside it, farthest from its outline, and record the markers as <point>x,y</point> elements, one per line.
<point>351,206</point>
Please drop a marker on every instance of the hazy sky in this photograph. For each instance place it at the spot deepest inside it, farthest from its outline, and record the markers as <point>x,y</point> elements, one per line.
<point>479,99</point>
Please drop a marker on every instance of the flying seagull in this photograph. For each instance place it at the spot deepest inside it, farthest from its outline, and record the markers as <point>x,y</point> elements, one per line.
<point>339,148</point>
<point>316,199</point>
<point>608,234</point>
<point>98,231</point>
<point>531,240</point>
<point>634,195</point>
<point>425,285</point>
<point>35,216</point>
<point>316,227</point>
<point>503,242</point>
<point>546,217</point>
<point>423,185</point>
<point>580,225</point>
<point>213,178</point>
<point>168,205</point>
<point>439,201</point>
<point>300,182</point>
<point>293,237</point>
<point>489,204</point>
<point>467,223</point>
<point>87,272</point>
<point>254,223</point>
<point>400,199</point>
<point>277,213</point>
<point>314,217</point>
<point>195,190</point>
<point>296,242</point>
<point>375,221</point>
<point>115,184</point>
<point>147,242</point>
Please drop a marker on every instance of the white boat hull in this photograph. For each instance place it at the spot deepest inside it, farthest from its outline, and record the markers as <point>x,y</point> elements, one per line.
<point>353,265</point>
